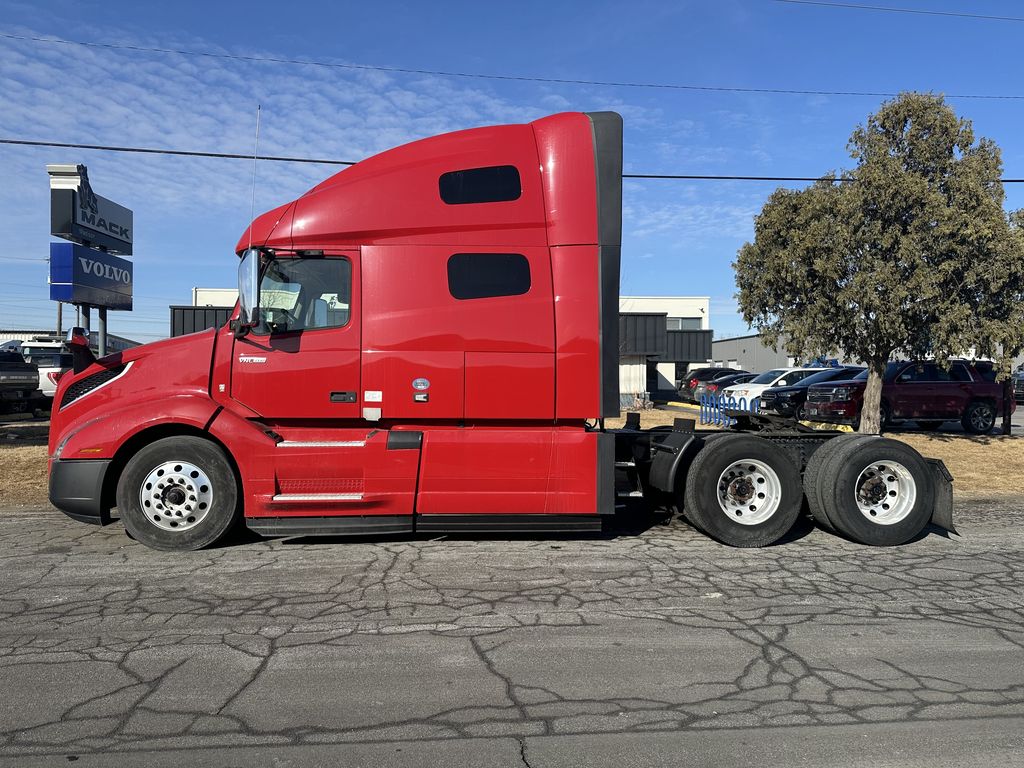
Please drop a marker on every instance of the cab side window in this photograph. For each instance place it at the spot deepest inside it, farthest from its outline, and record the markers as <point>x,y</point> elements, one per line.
<point>304,294</point>
<point>488,275</point>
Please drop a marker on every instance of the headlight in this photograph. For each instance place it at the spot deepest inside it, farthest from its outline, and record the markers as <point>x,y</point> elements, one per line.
<point>842,393</point>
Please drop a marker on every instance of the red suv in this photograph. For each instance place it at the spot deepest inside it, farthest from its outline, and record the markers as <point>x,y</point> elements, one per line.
<point>922,391</point>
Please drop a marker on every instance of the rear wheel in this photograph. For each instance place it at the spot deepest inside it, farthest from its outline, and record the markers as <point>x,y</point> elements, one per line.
<point>743,491</point>
<point>877,492</point>
<point>179,493</point>
<point>979,418</point>
<point>815,468</point>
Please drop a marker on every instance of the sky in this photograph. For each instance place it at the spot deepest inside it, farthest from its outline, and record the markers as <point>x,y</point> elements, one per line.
<point>679,237</point>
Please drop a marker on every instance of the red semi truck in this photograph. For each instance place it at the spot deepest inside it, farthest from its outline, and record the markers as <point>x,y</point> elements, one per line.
<point>427,341</point>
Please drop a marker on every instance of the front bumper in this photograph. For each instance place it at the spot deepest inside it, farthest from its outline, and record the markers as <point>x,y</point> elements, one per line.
<point>835,412</point>
<point>76,489</point>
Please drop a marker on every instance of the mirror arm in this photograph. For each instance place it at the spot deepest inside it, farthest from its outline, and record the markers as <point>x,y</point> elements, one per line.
<point>239,329</point>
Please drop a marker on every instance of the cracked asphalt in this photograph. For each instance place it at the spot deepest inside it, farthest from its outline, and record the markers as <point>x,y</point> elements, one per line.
<point>654,646</point>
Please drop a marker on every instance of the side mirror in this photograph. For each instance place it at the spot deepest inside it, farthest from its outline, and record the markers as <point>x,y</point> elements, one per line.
<point>248,291</point>
<point>81,354</point>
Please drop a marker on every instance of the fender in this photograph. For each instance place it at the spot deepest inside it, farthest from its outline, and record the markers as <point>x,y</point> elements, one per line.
<point>101,437</point>
<point>670,455</point>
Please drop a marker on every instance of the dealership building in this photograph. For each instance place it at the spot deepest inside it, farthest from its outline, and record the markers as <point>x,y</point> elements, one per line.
<point>659,336</point>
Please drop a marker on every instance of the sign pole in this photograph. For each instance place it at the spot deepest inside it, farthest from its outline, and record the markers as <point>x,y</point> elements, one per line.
<point>102,312</point>
<point>60,318</point>
<point>85,318</point>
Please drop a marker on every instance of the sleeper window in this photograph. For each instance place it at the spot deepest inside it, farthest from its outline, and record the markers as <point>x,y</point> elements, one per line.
<point>486,275</point>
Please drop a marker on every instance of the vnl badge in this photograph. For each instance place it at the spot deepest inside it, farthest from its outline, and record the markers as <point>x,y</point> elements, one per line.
<point>421,386</point>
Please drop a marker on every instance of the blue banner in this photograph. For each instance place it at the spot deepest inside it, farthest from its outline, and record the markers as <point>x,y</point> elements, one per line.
<point>81,275</point>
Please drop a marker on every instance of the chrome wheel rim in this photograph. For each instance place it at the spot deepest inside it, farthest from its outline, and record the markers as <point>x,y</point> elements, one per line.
<point>885,492</point>
<point>982,419</point>
<point>176,496</point>
<point>749,492</point>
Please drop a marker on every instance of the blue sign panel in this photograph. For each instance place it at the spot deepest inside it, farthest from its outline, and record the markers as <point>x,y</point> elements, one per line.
<point>81,275</point>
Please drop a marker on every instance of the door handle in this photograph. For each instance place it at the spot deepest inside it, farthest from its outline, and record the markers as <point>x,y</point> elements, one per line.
<point>343,397</point>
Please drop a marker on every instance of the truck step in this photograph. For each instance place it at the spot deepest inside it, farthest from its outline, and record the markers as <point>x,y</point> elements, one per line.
<point>300,497</point>
<point>322,444</point>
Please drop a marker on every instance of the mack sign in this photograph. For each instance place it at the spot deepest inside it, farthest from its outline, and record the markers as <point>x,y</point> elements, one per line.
<point>81,275</point>
<point>78,214</point>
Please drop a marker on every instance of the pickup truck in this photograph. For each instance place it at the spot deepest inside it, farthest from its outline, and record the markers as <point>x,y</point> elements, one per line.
<point>19,383</point>
<point>921,391</point>
<point>49,357</point>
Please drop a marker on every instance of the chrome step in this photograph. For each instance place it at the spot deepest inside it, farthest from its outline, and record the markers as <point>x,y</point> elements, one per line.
<point>322,444</point>
<point>288,497</point>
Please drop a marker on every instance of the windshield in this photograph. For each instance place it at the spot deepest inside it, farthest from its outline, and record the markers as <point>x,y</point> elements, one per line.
<point>833,374</point>
<point>768,376</point>
<point>301,294</point>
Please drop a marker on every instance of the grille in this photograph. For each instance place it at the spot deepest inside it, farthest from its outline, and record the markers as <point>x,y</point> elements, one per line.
<point>88,384</point>
<point>819,396</point>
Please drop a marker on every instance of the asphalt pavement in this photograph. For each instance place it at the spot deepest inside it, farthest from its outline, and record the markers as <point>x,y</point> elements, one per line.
<point>646,646</point>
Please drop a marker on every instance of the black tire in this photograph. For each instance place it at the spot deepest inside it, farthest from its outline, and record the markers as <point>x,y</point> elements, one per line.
<point>211,523</point>
<point>812,473</point>
<point>856,469</point>
<point>799,413</point>
<point>702,497</point>
<point>681,482</point>
<point>928,426</point>
<point>979,418</point>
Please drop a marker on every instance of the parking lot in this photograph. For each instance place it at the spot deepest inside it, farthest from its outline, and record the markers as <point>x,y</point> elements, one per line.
<point>648,645</point>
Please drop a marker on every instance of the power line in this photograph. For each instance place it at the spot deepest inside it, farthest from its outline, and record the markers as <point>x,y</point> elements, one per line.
<point>188,153</point>
<point>890,9</point>
<point>181,152</point>
<point>705,177</point>
<point>479,75</point>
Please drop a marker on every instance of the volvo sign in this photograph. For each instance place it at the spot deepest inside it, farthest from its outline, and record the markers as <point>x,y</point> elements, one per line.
<point>80,215</point>
<point>81,275</point>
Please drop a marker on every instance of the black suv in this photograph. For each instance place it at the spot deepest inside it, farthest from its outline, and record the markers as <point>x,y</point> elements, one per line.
<point>789,401</point>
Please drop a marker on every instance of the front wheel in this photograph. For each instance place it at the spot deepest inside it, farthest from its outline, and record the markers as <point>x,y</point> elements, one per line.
<point>179,493</point>
<point>743,491</point>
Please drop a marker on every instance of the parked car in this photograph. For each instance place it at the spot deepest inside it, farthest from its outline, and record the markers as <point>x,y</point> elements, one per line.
<point>717,385</point>
<point>1018,386</point>
<point>19,383</point>
<point>920,391</point>
<point>790,400</point>
<point>776,377</point>
<point>688,386</point>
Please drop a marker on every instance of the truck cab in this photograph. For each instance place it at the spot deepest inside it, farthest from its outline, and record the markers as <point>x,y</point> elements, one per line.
<point>426,341</point>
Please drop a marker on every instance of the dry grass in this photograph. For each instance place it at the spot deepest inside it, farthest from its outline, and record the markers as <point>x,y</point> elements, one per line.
<point>979,464</point>
<point>24,475</point>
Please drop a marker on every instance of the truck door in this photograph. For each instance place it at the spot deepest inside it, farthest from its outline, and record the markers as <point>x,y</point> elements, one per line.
<point>301,361</point>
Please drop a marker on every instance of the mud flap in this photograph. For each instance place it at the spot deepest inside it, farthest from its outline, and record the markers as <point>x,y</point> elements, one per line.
<point>942,515</point>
